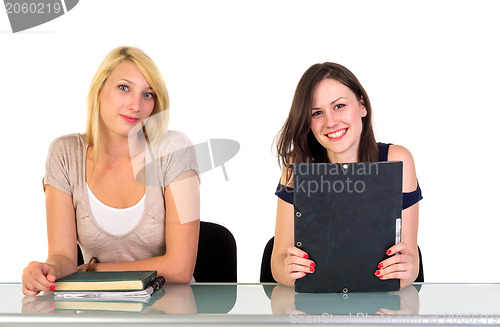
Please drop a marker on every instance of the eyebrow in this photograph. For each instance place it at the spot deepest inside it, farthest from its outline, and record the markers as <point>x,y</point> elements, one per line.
<point>333,102</point>
<point>126,80</point>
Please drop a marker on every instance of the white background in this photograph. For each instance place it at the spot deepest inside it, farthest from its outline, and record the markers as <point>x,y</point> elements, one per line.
<point>431,69</point>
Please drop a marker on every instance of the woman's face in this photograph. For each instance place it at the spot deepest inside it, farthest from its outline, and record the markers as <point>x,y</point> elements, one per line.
<point>336,120</point>
<point>126,100</point>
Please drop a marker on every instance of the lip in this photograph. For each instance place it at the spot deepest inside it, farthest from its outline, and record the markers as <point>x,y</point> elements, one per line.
<point>130,119</point>
<point>335,131</point>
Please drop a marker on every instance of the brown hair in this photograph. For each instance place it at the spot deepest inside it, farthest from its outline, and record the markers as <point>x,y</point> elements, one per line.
<point>297,143</point>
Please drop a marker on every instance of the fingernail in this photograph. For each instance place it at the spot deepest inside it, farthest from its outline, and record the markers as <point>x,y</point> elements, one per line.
<point>311,269</point>
<point>313,264</point>
<point>380,276</point>
<point>37,292</point>
<point>377,273</point>
<point>380,265</point>
<point>52,305</point>
<point>52,288</point>
<point>306,256</point>
<point>388,252</point>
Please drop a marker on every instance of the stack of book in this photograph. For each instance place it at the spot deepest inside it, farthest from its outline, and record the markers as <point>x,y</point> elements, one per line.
<point>126,291</point>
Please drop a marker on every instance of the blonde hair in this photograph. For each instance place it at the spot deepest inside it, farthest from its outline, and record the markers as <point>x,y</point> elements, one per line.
<point>151,73</point>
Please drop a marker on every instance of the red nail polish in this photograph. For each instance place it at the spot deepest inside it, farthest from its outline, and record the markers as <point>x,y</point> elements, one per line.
<point>37,292</point>
<point>380,265</point>
<point>380,276</point>
<point>313,264</point>
<point>388,252</point>
<point>377,273</point>
<point>306,256</point>
<point>311,269</point>
<point>52,287</point>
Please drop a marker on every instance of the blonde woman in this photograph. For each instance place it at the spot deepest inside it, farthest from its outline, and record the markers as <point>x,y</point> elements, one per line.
<point>97,195</point>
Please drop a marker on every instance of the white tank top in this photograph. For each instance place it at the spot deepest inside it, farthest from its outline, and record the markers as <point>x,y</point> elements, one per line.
<point>115,221</point>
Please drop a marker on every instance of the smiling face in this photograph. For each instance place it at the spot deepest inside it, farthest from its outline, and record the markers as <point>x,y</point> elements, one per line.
<point>126,99</point>
<point>336,120</point>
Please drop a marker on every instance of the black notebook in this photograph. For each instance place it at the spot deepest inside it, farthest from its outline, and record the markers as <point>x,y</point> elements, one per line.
<point>346,217</point>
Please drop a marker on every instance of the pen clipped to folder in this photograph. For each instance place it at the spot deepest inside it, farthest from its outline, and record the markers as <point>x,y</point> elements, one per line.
<point>398,231</point>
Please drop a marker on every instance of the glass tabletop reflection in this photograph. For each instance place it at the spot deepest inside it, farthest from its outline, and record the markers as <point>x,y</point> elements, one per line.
<point>262,303</point>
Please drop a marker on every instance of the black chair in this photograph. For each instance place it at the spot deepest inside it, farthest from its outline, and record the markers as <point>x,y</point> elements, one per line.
<point>420,277</point>
<point>267,277</point>
<point>216,260</point>
<point>79,255</point>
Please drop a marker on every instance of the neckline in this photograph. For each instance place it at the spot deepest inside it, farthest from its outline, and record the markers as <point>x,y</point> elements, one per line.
<point>87,202</point>
<point>102,204</point>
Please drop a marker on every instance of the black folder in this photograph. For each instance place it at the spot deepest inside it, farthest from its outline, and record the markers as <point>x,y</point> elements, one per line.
<point>345,219</point>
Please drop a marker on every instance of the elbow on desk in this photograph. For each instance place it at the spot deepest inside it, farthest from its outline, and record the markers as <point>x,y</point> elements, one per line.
<point>177,274</point>
<point>176,278</point>
<point>185,278</point>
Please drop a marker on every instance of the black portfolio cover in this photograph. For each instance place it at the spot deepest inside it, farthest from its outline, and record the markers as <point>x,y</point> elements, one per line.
<point>345,219</point>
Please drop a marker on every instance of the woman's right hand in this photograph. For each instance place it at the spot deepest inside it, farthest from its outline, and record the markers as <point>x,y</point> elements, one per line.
<point>38,276</point>
<point>298,264</point>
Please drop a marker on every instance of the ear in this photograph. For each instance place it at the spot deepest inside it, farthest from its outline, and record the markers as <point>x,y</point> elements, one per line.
<point>364,112</point>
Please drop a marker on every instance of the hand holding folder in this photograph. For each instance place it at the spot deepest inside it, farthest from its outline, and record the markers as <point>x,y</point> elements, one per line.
<point>345,220</point>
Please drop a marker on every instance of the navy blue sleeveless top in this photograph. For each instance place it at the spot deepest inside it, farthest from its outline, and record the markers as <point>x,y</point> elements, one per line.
<point>286,193</point>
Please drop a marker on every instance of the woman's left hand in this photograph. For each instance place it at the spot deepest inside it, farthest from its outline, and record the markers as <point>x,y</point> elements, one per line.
<point>400,265</point>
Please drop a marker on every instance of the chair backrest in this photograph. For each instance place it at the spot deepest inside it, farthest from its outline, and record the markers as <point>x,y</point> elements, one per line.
<point>420,277</point>
<point>267,277</point>
<point>216,260</point>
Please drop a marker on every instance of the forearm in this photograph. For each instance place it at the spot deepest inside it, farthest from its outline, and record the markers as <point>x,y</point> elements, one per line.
<point>414,271</point>
<point>63,264</point>
<point>283,240</point>
<point>278,268</point>
<point>174,270</point>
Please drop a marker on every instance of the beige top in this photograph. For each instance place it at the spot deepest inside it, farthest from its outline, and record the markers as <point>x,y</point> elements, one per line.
<point>65,170</point>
